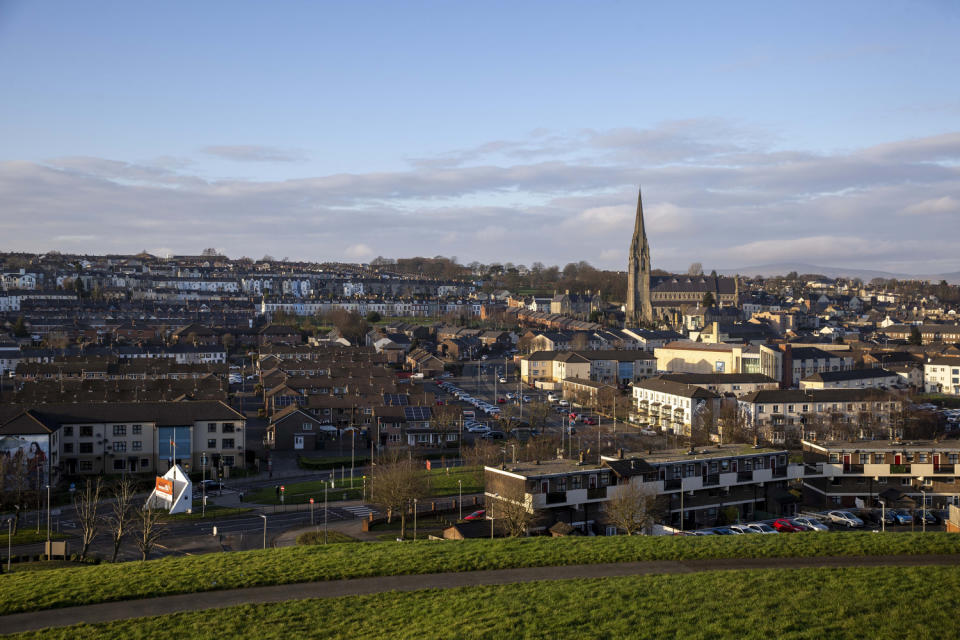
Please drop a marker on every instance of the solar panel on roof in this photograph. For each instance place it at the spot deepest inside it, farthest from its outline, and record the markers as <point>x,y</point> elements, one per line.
<point>396,399</point>
<point>416,414</point>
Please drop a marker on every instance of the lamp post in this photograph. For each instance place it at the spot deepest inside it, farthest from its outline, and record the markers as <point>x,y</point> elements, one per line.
<point>490,513</point>
<point>264,530</point>
<point>203,483</point>
<point>460,497</point>
<point>9,542</point>
<point>48,522</point>
<point>326,485</point>
<point>924,516</point>
<point>414,519</point>
<point>883,516</point>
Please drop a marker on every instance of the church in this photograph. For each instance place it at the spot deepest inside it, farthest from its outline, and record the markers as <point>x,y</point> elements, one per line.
<point>663,299</point>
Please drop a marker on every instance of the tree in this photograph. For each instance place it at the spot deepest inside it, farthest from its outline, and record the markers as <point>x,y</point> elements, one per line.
<point>708,300</point>
<point>915,336</point>
<point>85,504</point>
<point>229,342</point>
<point>148,529</point>
<point>373,317</point>
<point>580,341</point>
<point>631,508</point>
<point>210,252</point>
<point>696,269</point>
<point>20,328</point>
<point>120,518</point>
<point>395,485</point>
<point>513,511</point>
<point>482,453</point>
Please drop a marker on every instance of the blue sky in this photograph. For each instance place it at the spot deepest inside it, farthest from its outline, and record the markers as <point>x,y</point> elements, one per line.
<point>817,132</point>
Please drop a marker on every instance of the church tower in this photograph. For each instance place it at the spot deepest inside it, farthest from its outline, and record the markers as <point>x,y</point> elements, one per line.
<point>639,309</point>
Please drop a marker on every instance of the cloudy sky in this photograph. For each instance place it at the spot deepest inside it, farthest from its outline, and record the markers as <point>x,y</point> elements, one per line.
<point>826,133</point>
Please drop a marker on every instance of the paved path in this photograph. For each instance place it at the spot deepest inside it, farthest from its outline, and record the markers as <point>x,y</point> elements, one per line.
<point>361,586</point>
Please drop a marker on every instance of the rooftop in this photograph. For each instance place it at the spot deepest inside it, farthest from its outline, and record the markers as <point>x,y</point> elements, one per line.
<point>701,453</point>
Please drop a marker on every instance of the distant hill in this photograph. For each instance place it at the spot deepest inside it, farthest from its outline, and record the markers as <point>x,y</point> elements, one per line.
<point>783,268</point>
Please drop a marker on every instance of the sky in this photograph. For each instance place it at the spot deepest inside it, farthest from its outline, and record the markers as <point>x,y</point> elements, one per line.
<point>815,132</point>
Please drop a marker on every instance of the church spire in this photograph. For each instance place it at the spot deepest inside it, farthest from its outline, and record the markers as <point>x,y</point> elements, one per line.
<point>639,308</point>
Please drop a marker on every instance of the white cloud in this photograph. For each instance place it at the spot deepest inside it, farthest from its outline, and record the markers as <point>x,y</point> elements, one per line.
<point>946,204</point>
<point>358,251</point>
<point>254,153</point>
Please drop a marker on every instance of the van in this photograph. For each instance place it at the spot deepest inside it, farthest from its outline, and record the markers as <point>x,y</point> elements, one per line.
<point>552,397</point>
<point>469,415</point>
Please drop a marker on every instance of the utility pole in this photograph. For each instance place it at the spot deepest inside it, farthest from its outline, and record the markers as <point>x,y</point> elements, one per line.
<point>325,486</point>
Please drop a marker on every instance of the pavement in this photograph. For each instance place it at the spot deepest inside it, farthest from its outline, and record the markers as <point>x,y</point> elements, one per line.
<point>111,611</point>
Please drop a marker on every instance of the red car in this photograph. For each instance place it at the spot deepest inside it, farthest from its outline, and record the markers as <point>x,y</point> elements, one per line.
<point>785,526</point>
<point>477,515</point>
<point>589,421</point>
<point>501,400</point>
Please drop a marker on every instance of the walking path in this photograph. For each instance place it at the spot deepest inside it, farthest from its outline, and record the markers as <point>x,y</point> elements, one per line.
<point>362,586</point>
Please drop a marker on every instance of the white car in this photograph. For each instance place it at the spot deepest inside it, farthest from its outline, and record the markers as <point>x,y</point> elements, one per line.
<point>526,398</point>
<point>845,518</point>
<point>760,527</point>
<point>741,529</point>
<point>503,380</point>
<point>811,524</point>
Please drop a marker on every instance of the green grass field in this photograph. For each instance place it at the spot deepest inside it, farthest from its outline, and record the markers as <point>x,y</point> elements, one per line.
<point>28,536</point>
<point>761,604</point>
<point>131,580</point>
<point>317,537</point>
<point>443,483</point>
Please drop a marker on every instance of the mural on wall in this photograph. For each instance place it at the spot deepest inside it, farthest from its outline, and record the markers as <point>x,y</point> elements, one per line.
<point>32,451</point>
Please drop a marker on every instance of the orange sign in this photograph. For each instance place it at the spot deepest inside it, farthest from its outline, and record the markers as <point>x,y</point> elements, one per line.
<point>165,486</point>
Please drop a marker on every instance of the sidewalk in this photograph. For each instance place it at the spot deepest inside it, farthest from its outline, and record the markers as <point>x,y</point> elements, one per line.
<point>110,611</point>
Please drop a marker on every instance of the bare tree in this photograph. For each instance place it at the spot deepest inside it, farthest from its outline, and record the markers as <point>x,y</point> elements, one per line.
<point>120,519</point>
<point>695,269</point>
<point>732,425</point>
<point>512,510</point>
<point>482,453</point>
<point>85,504</point>
<point>396,484</point>
<point>631,508</point>
<point>148,529</point>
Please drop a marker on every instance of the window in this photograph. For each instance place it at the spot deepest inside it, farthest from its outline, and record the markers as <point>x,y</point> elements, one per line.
<point>120,446</point>
<point>136,445</point>
<point>212,443</point>
<point>776,408</point>
<point>144,463</point>
<point>86,432</point>
<point>211,427</point>
<point>86,465</point>
<point>451,437</point>
<point>806,408</point>
<point>306,426</point>
<point>228,427</point>
<point>137,429</point>
<point>119,429</point>
<point>68,447</point>
<point>228,443</point>
<point>86,447</point>
<point>864,458</point>
<point>228,461</point>
<point>953,457</point>
<point>834,458</point>
<point>68,431</point>
<point>835,499</point>
<point>878,458</point>
<point>905,482</point>
<point>119,465</point>
<point>575,482</point>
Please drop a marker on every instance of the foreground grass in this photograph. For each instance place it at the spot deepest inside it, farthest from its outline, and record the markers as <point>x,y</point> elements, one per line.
<point>317,537</point>
<point>795,604</point>
<point>166,576</point>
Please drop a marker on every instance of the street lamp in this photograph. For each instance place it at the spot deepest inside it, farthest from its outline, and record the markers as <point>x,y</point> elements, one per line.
<point>48,522</point>
<point>9,542</point>
<point>924,496</point>
<point>490,513</point>
<point>414,519</point>
<point>883,516</point>
<point>460,497</point>
<point>326,484</point>
<point>264,530</point>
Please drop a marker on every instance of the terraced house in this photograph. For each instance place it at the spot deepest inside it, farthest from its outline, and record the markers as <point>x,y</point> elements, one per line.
<point>703,488</point>
<point>867,470</point>
<point>674,407</point>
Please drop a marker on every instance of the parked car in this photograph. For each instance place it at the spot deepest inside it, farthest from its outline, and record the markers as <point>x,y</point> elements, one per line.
<point>723,531</point>
<point>932,517</point>
<point>494,435</point>
<point>704,532</point>
<point>590,420</point>
<point>212,485</point>
<point>741,529</point>
<point>902,517</point>
<point>785,526</point>
<point>477,515</point>
<point>503,380</point>
<point>810,523</point>
<point>761,527</point>
<point>845,518</point>
<point>526,398</point>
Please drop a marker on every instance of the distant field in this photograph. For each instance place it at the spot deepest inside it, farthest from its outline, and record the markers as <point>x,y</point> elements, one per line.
<point>131,580</point>
<point>915,602</point>
<point>442,482</point>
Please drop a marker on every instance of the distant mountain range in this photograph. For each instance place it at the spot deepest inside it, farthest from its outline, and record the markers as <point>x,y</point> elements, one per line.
<point>783,268</point>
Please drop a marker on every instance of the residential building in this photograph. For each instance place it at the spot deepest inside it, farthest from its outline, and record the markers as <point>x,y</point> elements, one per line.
<point>675,407</point>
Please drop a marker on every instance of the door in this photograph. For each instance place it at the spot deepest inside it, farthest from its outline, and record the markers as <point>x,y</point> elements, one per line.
<point>897,459</point>
<point>846,462</point>
<point>298,442</point>
<point>936,462</point>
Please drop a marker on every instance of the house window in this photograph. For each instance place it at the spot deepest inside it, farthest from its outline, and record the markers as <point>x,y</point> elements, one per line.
<point>228,427</point>
<point>119,429</point>
<point>953,457</point>
<point>575,482</point>
<point>86,447</point>
<point>921,457</point>
<point>228,461</point>
<point>120,446</point>
<point>878,458</point>
<point>211,427</point>
<point>68,447</point>
<point>834,458</point>
<point>306,426</point>
<point>864,458</point>
<point>835,499</point>
<point>137,429</point>
<point>137,445</point>
<point>144,463</point>
<point>86,465</point>
<point>227,443</point>
<point>119,465</point>
<point>68,431</point>
<point>905,482</point>
<point>211,443</point>
<point>86,432</point>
